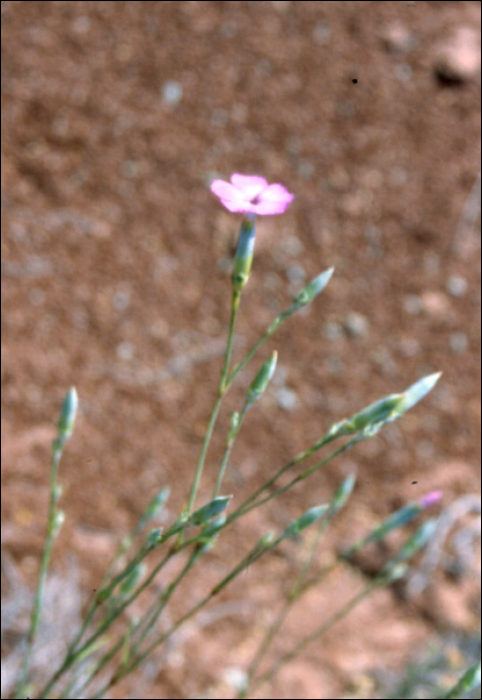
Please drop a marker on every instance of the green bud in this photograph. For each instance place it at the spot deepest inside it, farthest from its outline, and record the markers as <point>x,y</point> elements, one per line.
<point>67,414</point>
<point>316,286</point>
<point>418,540</point>
<point>308,518</point>
<point>154,507</point>
<point>469,681</point>
<point>210,532</point>
<point>262,379</point>
<point>343,493</point>
<point>209,511</point>
<point>394,573</point>
<point>233,427</point>
<point>154,537</point>
<point>376,412</point>
<point>59,519</point>
<point>131,581</point>
<point>266,540</point>
<point>371,415</point>
<point>392,407</point>
<point>416,392</point>
<point>244,252</point>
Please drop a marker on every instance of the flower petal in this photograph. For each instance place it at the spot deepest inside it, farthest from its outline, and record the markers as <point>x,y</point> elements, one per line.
<point>225,190</point>
<point>266,207</point>
<point>239,205</point>
<point>277,193</point>
<point>249,185</point>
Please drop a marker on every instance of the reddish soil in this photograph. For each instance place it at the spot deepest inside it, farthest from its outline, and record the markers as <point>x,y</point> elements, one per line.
<point>115,278</point>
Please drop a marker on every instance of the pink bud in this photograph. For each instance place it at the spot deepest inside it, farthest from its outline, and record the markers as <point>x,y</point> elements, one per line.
<point>431,499</point>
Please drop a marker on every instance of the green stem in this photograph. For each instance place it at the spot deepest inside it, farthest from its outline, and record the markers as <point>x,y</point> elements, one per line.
<point>296,592</point>
<point>227,452</point>
<point>319,631</point>
<point>223,385</point>
<point>164,598</point>
<point>250,505</point>
<point>148,622</point>
<point>57,448</point>
<point>255,554</point>
<point>267,334</point>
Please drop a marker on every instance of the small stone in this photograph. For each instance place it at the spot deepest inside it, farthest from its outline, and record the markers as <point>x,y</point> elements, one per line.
<point>435,303</point>
<point>457,286</point>
<point>403,71</point>
<point>171,92</point>
<point>286,399</point>
<point>458,342</point>
<point>397,38</point>
<point>122,297</point>
<point>321,33</point>
<point>356,325</point>
<point>296,273</point>
<point>332,330</point>
<point>305,169</point>
<point>459,59</point>
<point>334,366</point>
<point>413,304</point>
<point>291,245</point>
<point>125,351</point>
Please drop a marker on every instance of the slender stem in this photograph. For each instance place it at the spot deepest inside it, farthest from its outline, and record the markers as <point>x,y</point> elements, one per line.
<point>221,391</point>
<point>257,551</point>
<point>306,641</point>
<point>73,653</point>
<point>227,452</point>
<point>250,505</point>
<point>164,598</point>
<point>57,450</point>
<point>149,620</point>
<point>264,646</point>
<point>267,334</point>
<point>296,592</point>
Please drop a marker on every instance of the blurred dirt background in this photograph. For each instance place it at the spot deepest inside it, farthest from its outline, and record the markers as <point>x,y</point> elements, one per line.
<point>116,116</point>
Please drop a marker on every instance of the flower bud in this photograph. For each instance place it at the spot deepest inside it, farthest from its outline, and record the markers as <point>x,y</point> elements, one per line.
<point>416,392</point>
<point>244,252</point>
<point>262,379</point>
<point>154,537</point>
<point>156,505</point>
<point>316,286</point>
<point>131,581</point>
<point>209,511</point>
<point>67,414</point>
<point>342,494</point>
<point>371,415</point>
<point>308,518</point>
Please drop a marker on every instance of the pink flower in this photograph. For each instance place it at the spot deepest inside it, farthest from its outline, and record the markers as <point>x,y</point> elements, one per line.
<point>430,499</point>
<point>251,193</point>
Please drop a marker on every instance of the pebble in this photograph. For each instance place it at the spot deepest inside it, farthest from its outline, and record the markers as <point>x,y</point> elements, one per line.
<point>355,324</point>
<point>296,273</point>
<point>122,297</point>
<point>125,351</point>
<point>458,342</point>
<point>459,59</point>
<point>457,286</point>
<point>321,33</point>
<point>413,304</point>
<point>332,330</point>
<point>397,38</point>
<point>286,399</point>
<point>435,303</point>
<point>171,92</point>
